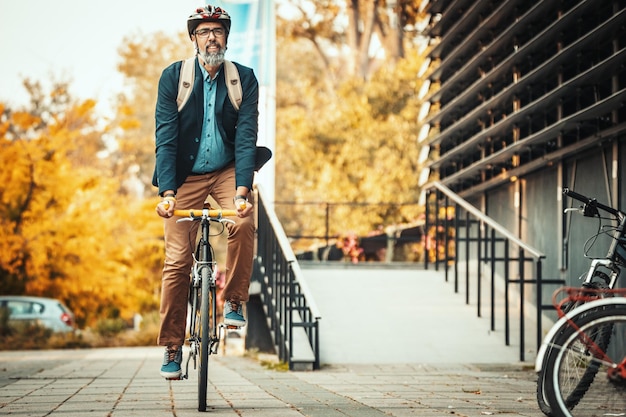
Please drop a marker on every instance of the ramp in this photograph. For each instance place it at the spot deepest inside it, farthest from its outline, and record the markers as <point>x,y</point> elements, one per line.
<point>386,314</point>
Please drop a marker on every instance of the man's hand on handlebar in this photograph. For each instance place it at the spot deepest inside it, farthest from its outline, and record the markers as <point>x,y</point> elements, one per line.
<point>166,207</point>
<point>243,206</point>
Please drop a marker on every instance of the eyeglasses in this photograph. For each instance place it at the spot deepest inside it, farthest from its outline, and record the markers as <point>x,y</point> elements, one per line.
<point>204,33</point>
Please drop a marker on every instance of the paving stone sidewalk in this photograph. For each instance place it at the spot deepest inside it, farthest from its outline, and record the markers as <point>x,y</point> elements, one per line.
<point>124,382</point>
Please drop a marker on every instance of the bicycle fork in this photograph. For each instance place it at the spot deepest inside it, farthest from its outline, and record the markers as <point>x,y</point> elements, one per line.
<point>193,349</point>
<point>595,271</point>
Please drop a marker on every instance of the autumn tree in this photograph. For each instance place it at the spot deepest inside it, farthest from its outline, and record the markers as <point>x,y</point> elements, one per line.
<point>357,146</point>
<point>344,138</point>
<point>353,30</point>
<point>66,229</point>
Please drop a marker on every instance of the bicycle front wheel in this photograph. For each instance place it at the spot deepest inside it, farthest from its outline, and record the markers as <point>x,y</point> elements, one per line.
<point>205,342</point>
<point>582,377</point>
<point>590,373</point>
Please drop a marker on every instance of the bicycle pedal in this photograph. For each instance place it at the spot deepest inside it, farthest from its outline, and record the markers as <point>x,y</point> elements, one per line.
<point>230,326</point>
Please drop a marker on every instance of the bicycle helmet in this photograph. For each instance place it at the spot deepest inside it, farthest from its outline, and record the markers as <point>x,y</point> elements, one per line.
<point>208,13</point>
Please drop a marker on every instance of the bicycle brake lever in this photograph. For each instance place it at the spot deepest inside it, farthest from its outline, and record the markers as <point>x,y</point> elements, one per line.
<point>578,210</point>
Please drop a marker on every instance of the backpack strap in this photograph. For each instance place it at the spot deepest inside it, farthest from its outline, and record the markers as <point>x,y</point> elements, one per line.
<point>185,81</point>
<point>233,83</point>
<point>187,73</point>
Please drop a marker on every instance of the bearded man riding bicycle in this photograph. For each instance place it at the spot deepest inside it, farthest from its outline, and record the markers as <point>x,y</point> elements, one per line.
<point>206,149</point>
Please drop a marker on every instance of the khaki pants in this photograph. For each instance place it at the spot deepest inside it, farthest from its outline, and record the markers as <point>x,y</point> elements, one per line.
<point>180,242</point>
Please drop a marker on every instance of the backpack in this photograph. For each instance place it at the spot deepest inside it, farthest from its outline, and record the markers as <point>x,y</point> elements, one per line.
<point>187,73</point>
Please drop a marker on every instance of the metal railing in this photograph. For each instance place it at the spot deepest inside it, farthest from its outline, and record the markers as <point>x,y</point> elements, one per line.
<point>479,238</point>
<point>333,225</point>
<point>292,315</point>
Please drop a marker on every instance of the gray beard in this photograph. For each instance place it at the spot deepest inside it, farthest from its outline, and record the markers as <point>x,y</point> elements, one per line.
<point>213,59</point>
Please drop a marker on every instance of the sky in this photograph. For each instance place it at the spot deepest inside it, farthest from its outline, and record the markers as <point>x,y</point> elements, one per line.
<point>77,41</point>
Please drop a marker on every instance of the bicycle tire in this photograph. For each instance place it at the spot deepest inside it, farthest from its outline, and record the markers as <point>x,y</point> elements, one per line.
<point>203,367</point>
<point>542,400</point>
<point>571,392</point>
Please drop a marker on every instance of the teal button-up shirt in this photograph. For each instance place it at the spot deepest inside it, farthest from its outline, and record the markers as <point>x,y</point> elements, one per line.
<point>212,154</point>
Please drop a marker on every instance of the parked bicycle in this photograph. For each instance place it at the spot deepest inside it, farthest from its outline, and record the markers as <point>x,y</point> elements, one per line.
<point>204,331</point>
<point>584,305</point>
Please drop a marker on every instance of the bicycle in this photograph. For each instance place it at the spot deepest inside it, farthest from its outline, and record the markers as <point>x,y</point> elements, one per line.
<point>598,283</point>
<point>586,365</point>
<point>204,332</point>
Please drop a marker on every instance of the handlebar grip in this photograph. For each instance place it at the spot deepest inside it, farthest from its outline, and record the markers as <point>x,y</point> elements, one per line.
<point>576,196</point>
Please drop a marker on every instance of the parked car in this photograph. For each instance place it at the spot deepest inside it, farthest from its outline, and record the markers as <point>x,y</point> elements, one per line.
<point>46,312</point>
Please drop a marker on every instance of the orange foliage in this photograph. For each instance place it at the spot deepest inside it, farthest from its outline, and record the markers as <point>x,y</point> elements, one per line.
<point>24,120</point>
<point>66,230</point>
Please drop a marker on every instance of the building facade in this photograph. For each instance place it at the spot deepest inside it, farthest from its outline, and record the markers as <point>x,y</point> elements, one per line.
<point>524,98</point>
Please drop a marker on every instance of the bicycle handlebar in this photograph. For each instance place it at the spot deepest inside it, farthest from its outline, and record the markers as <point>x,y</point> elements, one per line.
<point>211,213</point>
<point>591,202</point>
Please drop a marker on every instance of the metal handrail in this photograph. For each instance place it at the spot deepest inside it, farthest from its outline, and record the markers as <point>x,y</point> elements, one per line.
<point>287,299</point>
<point>485,219</point>
<point>486,243</point>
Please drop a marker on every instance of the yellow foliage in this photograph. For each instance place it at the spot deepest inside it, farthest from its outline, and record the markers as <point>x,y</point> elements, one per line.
<point>66,230</point>
<point>130,123</point>
<point>24,120</point>
<point>354,145</point>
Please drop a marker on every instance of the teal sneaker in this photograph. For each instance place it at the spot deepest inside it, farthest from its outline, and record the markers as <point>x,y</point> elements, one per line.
<point>171,363</point>
<point>233,314</point>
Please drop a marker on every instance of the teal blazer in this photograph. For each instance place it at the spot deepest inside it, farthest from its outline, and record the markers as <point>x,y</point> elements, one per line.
<point>178,134</point>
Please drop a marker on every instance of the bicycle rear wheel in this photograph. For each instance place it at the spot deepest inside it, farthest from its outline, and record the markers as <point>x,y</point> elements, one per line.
<point>203,367</point>
<point>578,380</point>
